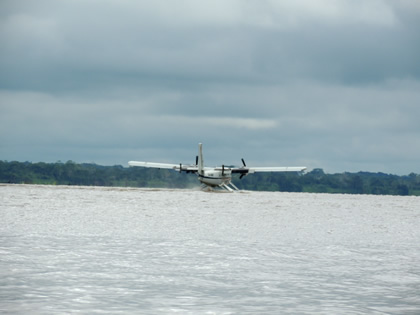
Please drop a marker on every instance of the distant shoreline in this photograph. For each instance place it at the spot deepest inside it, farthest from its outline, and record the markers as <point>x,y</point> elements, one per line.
<point>315,181</point>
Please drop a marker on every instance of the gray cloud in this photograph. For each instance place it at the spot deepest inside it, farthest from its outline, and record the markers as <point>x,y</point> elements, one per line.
<point>330,84</point>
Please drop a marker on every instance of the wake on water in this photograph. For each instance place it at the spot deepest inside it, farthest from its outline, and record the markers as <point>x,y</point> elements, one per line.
<point>161,251</point>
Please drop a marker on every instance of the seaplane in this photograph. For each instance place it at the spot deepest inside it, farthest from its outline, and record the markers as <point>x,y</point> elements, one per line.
<point>215,177</point>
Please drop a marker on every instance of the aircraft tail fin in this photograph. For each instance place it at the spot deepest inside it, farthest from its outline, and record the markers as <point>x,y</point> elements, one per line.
<point>200,159</point>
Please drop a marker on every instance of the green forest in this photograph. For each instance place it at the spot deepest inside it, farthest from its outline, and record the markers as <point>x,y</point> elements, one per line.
<point>315,181</point>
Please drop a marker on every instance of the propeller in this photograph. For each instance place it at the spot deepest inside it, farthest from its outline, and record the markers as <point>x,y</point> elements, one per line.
<point>223,170</point>
<point>196,160</point>
<point>180,167</point>
<point>243,174</point>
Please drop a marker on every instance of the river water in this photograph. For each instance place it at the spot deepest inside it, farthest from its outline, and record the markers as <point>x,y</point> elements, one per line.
<point>92,250</point>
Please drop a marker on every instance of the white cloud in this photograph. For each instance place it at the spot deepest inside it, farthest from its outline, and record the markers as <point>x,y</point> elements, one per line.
<point>226,122</point>
<point>377,12</point>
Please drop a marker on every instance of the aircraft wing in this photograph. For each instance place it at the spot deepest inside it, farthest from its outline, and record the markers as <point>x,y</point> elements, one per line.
<point>277,169</point>
<point>250,170</point>
<point>176,167</point>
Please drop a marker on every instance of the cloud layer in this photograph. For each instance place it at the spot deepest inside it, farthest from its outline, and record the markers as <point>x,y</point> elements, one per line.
<point>329,84</point>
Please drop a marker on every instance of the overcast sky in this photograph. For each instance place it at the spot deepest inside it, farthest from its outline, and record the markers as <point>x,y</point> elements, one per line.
<point>332,84</point>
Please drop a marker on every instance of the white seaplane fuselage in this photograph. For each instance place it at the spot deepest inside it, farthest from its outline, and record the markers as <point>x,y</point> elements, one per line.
<point>214,178</point>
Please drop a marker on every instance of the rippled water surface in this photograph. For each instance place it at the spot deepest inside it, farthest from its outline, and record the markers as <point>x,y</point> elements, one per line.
<point>119,251</point>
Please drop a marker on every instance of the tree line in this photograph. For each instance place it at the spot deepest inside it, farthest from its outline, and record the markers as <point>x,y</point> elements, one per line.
<point>315,181</point>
